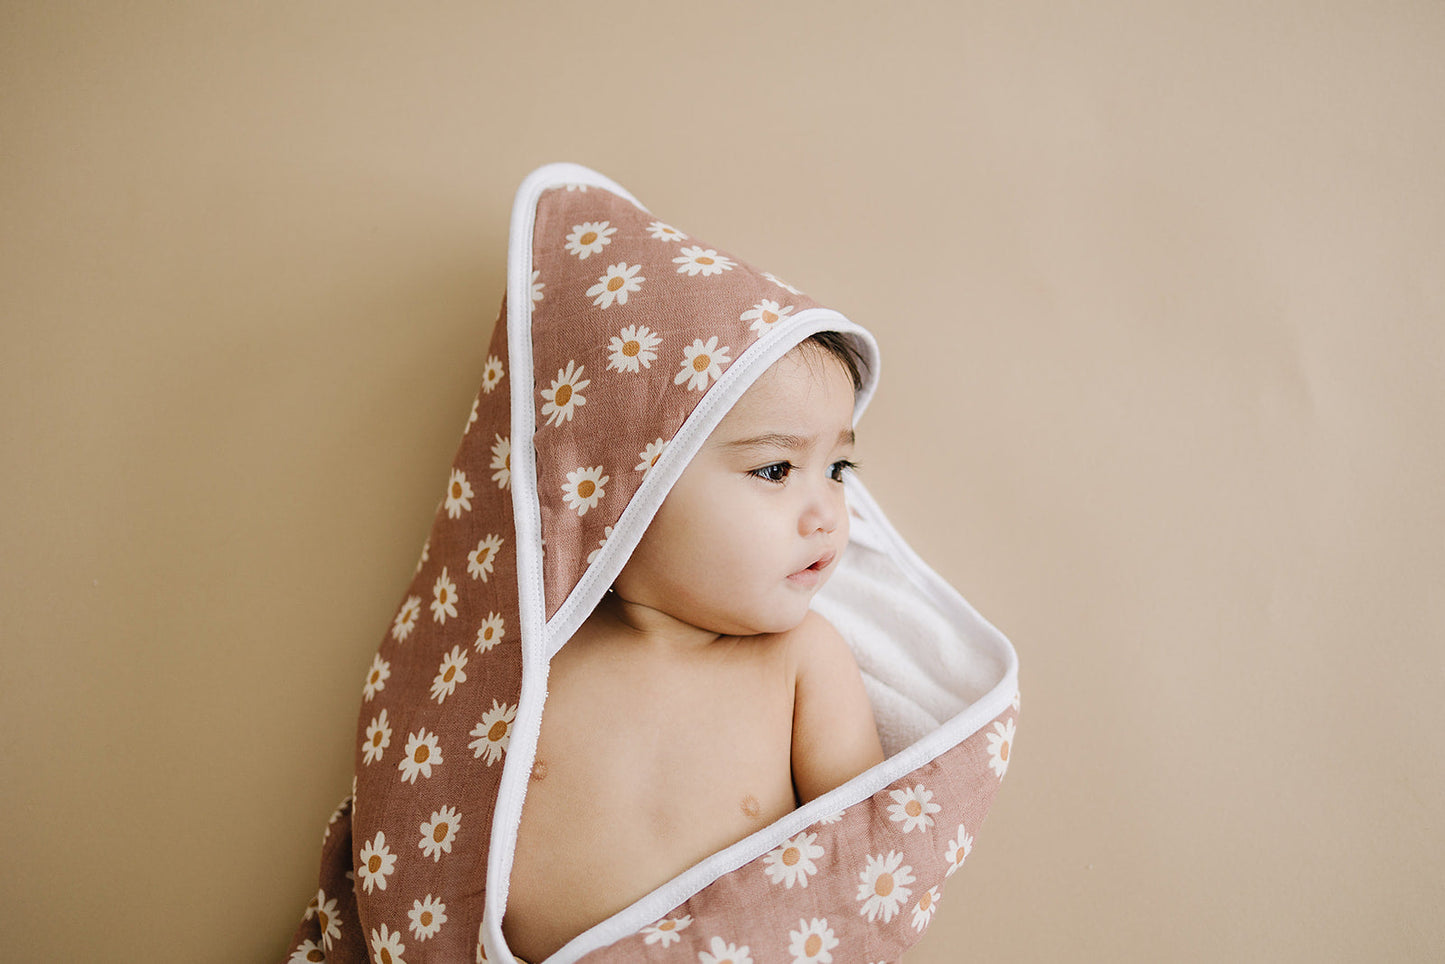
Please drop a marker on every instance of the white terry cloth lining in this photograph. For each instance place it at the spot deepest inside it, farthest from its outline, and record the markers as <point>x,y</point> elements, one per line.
<point>884,600</point>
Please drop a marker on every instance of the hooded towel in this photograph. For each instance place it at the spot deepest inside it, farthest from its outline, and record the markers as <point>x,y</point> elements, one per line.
<point>621,345</point>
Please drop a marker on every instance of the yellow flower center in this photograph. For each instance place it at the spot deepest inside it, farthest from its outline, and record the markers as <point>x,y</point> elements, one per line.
<point>498,730</point>
<point>588,238</point>
<point>451,672</point>
<point>374,864</point>
<point>705,261</point>
<point>456,490</point>
<point>421,754</point>
<point>426,918</point>
<point>563,395</point>
<point>813,945</point>
<point>700,362</point>
<point>913,808</point>
<point>631,348</point>
<point>883,886</point>
<point>439,833</point>
<point>616,282</point>
<point>585,488</point>
<point>926,902</point>
<point>791,856</point>
<point>385,956</point>
<point>442,596</point>
<point>769,317</point>
<point>487,633</point>
<point>667,925</point>
<point>315,956</point>
<point>323,920</point>
<point>376,738</point>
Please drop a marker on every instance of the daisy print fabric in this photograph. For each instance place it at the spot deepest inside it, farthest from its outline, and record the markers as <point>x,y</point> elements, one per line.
<point>630,324</point>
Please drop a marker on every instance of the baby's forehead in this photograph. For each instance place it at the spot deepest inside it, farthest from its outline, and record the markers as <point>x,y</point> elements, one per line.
<point>801,396</point>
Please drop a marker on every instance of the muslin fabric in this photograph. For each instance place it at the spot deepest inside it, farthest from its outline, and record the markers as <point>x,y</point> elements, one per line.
<point>622,341</point>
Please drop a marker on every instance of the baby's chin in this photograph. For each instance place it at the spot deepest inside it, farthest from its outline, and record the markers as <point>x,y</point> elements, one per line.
<point>769,623</point>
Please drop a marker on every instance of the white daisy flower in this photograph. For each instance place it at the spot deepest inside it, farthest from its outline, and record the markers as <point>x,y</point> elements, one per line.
<point>459,495</point>
<point>1000,742</point>
<point>427,917</point>
<point>561,400</point>
<point>619,281</point>
<point>341,808</point>
<point>376,677</point>
<point>502,462</point>
<point>914,808</point>
<point>307,952</point>
<point>378,738</point>
<point>425,554</point>
<point>831,818</point>
<point>780,282</point>
<point>583,489</point>
<point>450,674</point>
<point>883,887</point>
<point>601,544</point>
<point>537,287</point>
<point>724,953</point>
<point>493,733</point>
<point>377,861</point>
<point>697,260</point>
<point>923,912</point>
<point>490,633</point>
<point>665,232</point>
<point>633,348</point>
<point>406,618</point>
<point>480,559</point>
<point>589,238</point>
<point>813,942</point>
<point>649,456</point>
<point>328,918</point>
<point>793,862</point>
<point>701,363</point>
<point>386,946</point>
<point>438,833</point>
<point>958,850</point>
<point>765,314</point>
<point>665,932</point>
<point>422,753</point>
<point>444,598</point>
<point>472,415</point>
<point>492,373</point>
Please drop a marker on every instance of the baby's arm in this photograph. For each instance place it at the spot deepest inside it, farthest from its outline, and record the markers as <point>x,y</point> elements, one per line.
<point>834,735</point>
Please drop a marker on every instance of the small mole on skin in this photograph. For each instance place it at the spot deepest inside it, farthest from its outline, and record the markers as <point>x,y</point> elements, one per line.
<point>539,770</point>
<point>749,806</point>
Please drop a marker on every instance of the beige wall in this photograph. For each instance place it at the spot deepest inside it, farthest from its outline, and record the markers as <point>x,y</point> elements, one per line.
<point>1160,290</point>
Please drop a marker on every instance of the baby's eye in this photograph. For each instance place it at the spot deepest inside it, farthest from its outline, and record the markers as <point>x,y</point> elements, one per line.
<point>840,468</point>
<point>777,472</point>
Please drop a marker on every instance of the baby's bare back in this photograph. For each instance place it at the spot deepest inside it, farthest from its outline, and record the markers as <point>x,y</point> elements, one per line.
<point>650,759</point>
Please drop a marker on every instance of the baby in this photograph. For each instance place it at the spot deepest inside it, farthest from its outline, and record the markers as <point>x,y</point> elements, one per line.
<point>702,699</point>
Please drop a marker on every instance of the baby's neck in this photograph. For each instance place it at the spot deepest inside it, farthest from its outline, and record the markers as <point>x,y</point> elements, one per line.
<point>646,626</point>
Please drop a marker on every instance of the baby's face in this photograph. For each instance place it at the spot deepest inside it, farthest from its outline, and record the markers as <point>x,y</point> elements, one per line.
<point>756,523</point>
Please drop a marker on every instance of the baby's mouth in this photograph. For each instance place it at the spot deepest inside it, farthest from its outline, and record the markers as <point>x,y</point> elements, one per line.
<point>813,571</point>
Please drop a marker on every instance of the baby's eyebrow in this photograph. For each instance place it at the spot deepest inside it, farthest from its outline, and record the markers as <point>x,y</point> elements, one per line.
<point>785,440</point>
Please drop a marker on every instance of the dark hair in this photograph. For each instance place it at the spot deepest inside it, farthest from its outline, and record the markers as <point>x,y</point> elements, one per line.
<point>841,347</point>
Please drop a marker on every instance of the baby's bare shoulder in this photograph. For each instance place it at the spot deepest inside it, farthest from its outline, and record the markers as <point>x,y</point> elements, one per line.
<point>815,643</point>
<point>834,734</point>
